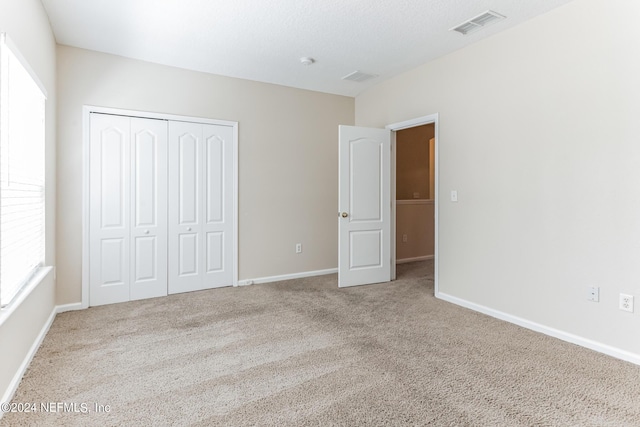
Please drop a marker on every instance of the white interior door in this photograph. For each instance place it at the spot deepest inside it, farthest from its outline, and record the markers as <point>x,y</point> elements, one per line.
<point>109,220</point>
<point>200,206</point>
<point>365,206</point>
<point>148,208</point>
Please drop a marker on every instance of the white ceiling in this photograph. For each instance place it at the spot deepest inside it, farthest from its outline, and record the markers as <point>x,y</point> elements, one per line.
<point>263,40</point>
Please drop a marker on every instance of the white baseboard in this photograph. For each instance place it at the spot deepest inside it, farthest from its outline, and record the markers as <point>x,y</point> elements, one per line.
<point>556,333</point>
<point>15,382</point>
<point>69,307</point>
<point>419,258</point>
<point>286,277</point>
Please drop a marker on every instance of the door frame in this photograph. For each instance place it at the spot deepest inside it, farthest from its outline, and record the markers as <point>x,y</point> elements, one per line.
<point>86,142</point>
<point>394,127</point>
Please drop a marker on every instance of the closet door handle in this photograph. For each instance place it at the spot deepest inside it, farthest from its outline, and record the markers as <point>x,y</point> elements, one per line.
<point>146,231</point>
<point>188,228</point>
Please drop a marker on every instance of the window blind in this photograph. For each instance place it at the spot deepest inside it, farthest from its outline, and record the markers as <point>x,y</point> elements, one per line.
<point>22,186</point>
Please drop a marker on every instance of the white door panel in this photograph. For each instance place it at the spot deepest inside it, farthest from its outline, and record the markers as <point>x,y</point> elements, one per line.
<point>148,208</point>
<point>188,255</point>
<point>185,202</point>
<point>200,206</point>
<point>109,211</point>
<point>215,252</point>
<point>113,261</point>
<point>366,158</point>
<point>218,174</point>
<point>215,179</point>
<point>365,206</point>
<point>145,249</point>
<point>188,172</point>
<point>128,209</point>
<point>365,249</point>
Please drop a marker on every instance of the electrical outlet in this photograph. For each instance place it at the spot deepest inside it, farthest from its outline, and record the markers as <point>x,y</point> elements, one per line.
<point>298,248</point>
<point>626,302</point>
<point>593,293</point>
<point>404,238</point>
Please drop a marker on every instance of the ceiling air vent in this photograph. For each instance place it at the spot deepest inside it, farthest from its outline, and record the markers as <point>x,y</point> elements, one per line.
<point>359,76</point>
<point>482,20</point>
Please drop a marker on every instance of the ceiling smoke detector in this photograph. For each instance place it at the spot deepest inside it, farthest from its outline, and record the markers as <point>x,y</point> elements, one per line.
<point>307,60</point>
<point>359,76</point>
<point>480,21</point>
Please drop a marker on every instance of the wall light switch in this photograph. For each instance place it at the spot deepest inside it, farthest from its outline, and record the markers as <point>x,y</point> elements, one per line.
<point>454,196</point>
<point>593,293</point>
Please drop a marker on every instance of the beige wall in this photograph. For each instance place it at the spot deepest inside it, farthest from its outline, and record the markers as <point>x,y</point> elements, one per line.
<point>28,26</point>
<point>287,148</point>
<point>414,218</point>
<point>539,133</point>
<point>412,162</point>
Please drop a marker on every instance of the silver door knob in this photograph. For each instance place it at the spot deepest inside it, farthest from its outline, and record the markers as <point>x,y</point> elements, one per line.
<point>188,228</point>
<point>344,214</point>
<point>146,231</point>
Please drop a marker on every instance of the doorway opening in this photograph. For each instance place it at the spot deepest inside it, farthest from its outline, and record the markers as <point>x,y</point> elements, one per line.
<point>414,188</point>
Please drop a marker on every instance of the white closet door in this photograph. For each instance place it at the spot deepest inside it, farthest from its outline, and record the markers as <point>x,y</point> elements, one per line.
<point>148,271</point>
<point>185,207</point>
<point>218,206</point>
<point>128,209</point>
<point>109,217</point>
<point>200,206</point>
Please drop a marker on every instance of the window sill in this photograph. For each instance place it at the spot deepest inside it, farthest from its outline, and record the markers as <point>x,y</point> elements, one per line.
<point>7,311</point>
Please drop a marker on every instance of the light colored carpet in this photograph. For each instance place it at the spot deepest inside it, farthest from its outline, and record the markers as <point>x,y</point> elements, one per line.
<point>304,352</point>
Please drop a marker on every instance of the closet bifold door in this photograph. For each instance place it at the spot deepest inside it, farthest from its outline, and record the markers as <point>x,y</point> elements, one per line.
<point>127,214</point>
<point>148,208</point>
<point>109,217</point>
<point>200,206</point>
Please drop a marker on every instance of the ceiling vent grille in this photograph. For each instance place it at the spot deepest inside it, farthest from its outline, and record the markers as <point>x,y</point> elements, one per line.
<point>359,76</point>
<point>480,21</point>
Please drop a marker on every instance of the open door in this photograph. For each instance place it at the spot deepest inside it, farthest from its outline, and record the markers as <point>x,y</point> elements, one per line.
<point>364,243</point>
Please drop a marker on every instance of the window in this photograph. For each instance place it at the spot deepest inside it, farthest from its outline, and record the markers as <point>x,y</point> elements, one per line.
<point>22,226</point>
